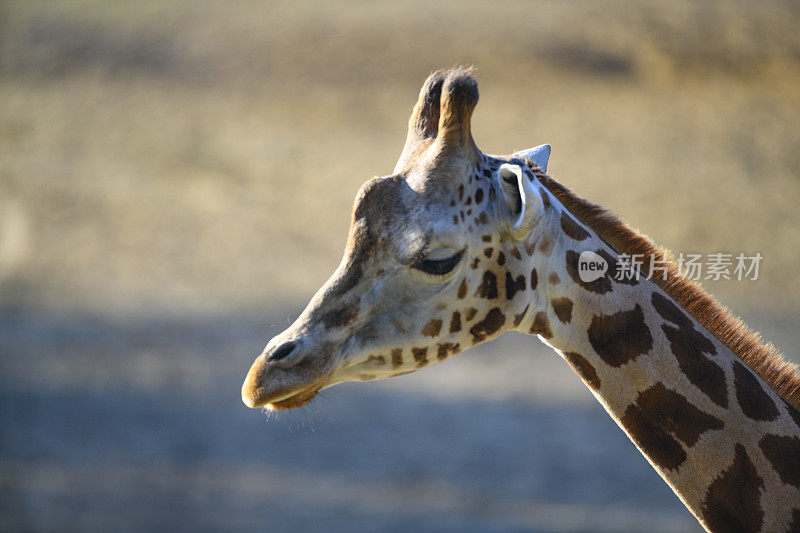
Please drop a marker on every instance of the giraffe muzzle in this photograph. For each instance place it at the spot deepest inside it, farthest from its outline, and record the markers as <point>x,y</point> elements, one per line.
<point>287,374</point>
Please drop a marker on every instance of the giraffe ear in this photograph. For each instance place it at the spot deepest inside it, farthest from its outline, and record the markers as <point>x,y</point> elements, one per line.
<point>520,201</point>
<point>540,155</point>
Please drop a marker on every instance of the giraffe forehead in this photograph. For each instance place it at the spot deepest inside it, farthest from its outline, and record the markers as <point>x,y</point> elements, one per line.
<point>380,199</point>
<point>439,175</point>
<point>388,201</point>
<point>443,177</point>
<point>420,201</point>
<point>389,216</point>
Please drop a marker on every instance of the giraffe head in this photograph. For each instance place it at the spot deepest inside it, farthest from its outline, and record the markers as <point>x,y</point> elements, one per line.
<point>432,264</point>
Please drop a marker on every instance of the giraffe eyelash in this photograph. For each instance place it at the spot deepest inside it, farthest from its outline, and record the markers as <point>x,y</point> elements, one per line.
<point>438,267</point>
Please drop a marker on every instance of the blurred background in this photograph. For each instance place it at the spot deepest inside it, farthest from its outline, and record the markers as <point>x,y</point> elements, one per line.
<point>175,183</point>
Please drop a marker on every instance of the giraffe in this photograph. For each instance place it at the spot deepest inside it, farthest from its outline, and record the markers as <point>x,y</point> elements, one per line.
<point>455,247</point>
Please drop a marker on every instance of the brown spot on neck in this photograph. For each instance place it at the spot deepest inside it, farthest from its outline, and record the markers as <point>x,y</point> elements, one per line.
<point>545,198</point>
<point>733,500</point>
<point>490,325</point>
<point>794,525</point>
<point>583,368</point>
<point>563,309</point>
<point>541,326</point>
<point>514,285</point>
<point>752,398</point>
<point>572,229</point>
<point>783,453</point>
<point>600,285</point>
<point>690,347</point>
<point>620,337</point>
<point>662,417</point>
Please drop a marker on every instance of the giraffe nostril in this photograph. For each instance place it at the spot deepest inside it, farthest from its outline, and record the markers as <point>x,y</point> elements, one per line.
<point>283,351</point>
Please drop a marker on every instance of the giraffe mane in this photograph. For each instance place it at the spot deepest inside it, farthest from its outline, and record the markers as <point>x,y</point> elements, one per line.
<point>763,358</point>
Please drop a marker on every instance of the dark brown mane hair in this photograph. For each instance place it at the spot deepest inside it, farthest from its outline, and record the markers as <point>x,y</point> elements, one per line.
<point>763,358</point>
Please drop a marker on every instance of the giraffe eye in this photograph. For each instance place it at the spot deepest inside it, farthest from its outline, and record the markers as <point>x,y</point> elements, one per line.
<point>438,267</point>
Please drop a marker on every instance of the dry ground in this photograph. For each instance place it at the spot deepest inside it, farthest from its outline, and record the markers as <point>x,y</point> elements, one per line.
<point>205,155</point>
<point>176,179</point>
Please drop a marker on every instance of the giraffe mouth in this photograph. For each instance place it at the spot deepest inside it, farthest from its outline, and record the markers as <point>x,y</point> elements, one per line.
<point>280,400</point>
<point>296,400</point>
<point>275,389</point>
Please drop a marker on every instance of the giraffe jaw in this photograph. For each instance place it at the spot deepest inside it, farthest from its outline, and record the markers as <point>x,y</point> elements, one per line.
<point>296,400</point>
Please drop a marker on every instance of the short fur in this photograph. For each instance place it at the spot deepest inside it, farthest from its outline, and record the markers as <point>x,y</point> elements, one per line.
<point>442,115</point>
<point>763,358</point>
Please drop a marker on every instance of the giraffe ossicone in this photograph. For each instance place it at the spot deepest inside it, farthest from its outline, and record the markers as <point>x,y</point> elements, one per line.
<point>455,247</point>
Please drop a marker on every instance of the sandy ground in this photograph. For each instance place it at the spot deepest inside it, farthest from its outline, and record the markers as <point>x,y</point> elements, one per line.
<point>204,156</point>
<point>175,182</point>
<point>137,425</point>
<point>148,432</point>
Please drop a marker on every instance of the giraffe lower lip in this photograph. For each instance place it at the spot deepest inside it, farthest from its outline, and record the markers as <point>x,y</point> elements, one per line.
<point>296,400</point>
<point>268,385</point>
<point>256,399</point>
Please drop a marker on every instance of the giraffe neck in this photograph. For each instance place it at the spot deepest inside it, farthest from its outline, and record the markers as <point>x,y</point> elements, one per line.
<point>724,440</point>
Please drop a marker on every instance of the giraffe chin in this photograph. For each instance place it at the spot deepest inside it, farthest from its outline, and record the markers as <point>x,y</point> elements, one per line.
<point>298,400</point>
